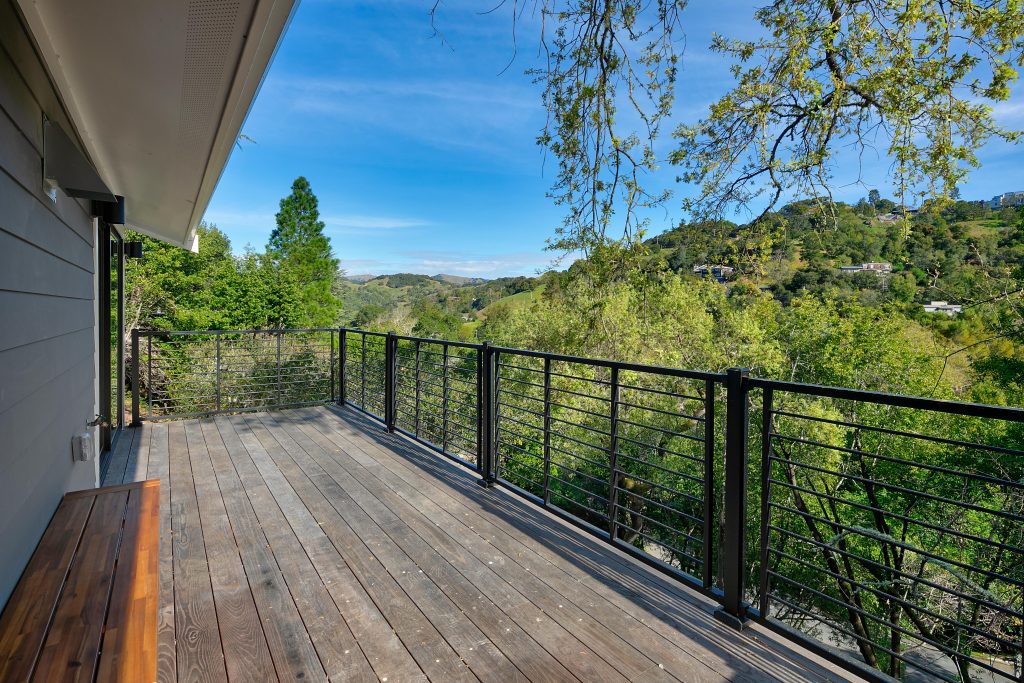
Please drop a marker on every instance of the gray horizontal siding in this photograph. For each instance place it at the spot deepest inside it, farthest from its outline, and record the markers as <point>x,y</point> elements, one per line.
<point>29,318</point>
<point>47,326</point>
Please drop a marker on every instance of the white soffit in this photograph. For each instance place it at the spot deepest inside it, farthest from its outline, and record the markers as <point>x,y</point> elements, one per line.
<point>158,90</point>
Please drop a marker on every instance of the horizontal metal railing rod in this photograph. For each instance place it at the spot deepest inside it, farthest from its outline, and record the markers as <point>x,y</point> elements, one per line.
<point>662,430</point>
<point>633,367</point>
<point>662,411</point>
<point>270,331</point>
<point>959,503</point>
<point>909,577</point>
<point>663,505</point>
<point>696,561</point>
<point>939,676</point>
<point>892,597</point>
<point>668,489</point>
<point>887,624</point>
<point>902,545</point>
<point>430,340</point>
<point>591,397</point>
<point>897,400</point>
<point>974,538</point>
<point>922,437</point>
<point>661,392</point>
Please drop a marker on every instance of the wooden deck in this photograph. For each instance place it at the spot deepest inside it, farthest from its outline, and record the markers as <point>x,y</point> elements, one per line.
<point>311,545</point>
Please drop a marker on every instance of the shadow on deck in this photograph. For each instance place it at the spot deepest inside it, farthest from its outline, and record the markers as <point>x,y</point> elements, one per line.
<point>311,545</point>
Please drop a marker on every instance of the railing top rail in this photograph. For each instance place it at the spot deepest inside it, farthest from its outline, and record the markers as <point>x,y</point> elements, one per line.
<point>368,333</point>
<point>620,365</point>
<point>181,333</point>
<point>443,342</point>
<point>898,400</point>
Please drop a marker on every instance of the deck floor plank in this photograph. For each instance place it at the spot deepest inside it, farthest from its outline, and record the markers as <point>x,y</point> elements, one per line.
<point>138,458</point>
<point>339,653</point>
<point>367,624</point>
<point>158,467</point>
<point>459,626</point>
<point>456,570</point>
<point>290,646</point>
<point>199,652</point>
<point>432,653</point>
<point>312,545</point>
<point>446,528</point>
<point>246,653</point>
<point>118,464</point>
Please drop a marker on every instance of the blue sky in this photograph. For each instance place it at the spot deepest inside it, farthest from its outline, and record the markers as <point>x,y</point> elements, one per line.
<point>422,150</point>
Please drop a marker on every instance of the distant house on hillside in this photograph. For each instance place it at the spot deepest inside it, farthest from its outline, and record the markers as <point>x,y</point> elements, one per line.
<point>1007,199</point>
<point>720,273</point>
<point>943,307</point>
<point>878,269</point>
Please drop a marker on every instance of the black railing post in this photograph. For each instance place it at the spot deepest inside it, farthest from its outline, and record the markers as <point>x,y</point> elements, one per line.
<point>279,333</point>
<point>444,399</point>
<point>149,375</point>
<point>135,379</point>
<point>613,459</point>
<point>390,380</point>
<point>707,577</point>
<point>330,365</point>
<point>766,470</point>
<point>547,430</point>
<point>216,374</point>
<point>733,611</point>
<point>479,410</point>
<point>418,383</point>
<point>342,356</point>
<point>487,415</point>
<point>362,375</point>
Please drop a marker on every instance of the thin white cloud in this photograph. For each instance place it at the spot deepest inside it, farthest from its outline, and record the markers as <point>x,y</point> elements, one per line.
<point>339,222</point>
<point>450,263</point>
<point>1009,113</point>
<point>362,222</point>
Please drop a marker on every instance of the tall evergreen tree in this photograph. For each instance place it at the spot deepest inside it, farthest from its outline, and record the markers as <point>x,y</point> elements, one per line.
<point>302,254</point>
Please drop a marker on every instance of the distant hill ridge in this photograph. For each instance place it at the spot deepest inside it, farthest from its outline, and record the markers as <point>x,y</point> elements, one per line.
<point>457,280</point>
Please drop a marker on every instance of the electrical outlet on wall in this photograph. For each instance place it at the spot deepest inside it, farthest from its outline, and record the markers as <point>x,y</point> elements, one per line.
<point>81,447</point>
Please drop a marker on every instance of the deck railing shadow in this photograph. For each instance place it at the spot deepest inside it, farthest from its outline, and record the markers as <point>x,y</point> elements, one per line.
<point>659,597</point>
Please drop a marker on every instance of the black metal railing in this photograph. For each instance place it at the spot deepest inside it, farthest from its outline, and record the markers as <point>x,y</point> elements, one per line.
<point>885,532</point>
<point>896,526</point>
<point>194,373</point>
<point>625,450</point>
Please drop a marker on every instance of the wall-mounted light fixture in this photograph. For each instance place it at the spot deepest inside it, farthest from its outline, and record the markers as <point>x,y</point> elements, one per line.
<point>133,249</point>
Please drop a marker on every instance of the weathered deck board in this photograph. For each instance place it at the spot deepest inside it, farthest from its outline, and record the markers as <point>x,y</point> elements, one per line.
<point>312,545</point>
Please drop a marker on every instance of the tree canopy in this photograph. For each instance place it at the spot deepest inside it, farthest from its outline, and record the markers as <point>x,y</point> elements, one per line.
<point>916,80</point>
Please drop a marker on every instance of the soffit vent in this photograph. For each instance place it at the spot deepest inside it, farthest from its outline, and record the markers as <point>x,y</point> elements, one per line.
<point>209,41</point>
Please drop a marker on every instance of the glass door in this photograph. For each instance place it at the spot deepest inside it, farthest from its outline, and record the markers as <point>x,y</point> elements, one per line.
<point>111,341</point>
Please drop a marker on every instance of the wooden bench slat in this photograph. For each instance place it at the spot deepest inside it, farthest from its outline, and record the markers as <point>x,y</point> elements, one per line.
<point>73,643</point>
<point>87,603</point>
<point>25,621</point>
<point>129,643</point>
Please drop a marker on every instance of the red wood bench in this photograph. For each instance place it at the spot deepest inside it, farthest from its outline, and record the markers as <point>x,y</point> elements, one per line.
<point>86,606</point>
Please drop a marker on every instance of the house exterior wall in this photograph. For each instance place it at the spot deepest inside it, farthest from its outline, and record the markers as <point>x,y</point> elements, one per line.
<point>47,312</point>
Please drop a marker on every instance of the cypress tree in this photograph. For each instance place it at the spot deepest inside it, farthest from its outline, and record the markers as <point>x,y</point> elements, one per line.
<point>302,254</point>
